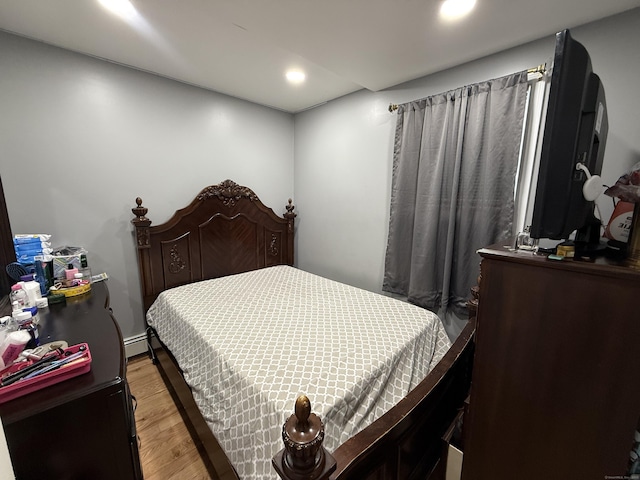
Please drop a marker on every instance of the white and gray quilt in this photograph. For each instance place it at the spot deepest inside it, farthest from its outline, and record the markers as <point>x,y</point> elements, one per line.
<point>249,344</point>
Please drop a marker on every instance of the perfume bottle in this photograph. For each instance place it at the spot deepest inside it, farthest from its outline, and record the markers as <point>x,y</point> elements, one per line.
<point>525,242</point>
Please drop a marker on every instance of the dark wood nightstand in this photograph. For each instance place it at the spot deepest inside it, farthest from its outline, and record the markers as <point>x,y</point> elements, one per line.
<point>83,427</point>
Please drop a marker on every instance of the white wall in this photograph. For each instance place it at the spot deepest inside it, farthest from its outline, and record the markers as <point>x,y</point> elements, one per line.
<point>343,150</point>
<point>81,138</point>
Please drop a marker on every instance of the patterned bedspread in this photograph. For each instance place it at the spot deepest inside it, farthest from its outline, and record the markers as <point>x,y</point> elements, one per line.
<point>249,344</point>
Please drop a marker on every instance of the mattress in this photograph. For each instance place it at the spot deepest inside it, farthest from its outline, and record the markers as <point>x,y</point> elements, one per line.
<point>249,344</point>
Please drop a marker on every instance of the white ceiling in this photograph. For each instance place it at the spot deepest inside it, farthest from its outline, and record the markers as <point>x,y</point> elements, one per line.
<point>243,47</point>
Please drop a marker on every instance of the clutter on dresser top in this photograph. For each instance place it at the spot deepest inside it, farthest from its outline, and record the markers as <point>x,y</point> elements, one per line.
<point>44,276</point>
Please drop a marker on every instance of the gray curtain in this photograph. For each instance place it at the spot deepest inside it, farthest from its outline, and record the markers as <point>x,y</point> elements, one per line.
<point>454,165</point>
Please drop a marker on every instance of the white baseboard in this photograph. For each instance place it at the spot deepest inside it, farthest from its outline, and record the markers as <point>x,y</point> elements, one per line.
<point>135,345</point>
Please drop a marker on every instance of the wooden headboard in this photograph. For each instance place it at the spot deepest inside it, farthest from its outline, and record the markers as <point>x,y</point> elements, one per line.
<point>226,229</point>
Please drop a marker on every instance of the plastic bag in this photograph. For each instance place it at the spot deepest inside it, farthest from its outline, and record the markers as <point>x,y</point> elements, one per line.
<point>627,188</point>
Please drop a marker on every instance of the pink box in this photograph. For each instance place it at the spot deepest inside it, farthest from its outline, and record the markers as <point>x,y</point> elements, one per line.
<point>64,372</point>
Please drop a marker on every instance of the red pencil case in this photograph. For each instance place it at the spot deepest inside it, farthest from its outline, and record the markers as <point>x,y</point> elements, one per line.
<point>77,366</point>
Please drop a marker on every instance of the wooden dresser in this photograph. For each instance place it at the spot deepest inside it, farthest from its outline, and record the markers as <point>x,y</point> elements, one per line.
<point>82,427</point>
<point>555,390</point>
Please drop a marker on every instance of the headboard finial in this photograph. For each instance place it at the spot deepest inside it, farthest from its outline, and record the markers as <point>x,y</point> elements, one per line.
<point>142,223</point>
<point>290,215</point>
<point>290,208</point>
<point>139,211</point>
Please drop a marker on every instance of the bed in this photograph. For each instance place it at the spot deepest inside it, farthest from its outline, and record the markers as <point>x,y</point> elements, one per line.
<point>241,333</point>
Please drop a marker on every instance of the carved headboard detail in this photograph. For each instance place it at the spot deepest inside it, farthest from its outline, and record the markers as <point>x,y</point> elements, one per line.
<point>229,192</point>
<point>226,229</point>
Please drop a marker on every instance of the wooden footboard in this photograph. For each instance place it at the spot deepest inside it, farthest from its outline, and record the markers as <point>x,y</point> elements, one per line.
<point>406,442</point>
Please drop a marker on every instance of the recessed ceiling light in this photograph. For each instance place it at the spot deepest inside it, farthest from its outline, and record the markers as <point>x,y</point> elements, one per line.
<point>295,76</point>
<point>122,8</point>
<point>454,9</point>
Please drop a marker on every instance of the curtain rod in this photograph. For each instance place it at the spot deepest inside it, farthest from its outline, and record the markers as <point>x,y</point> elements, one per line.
<point>539,69</point>
<point>542,68</point>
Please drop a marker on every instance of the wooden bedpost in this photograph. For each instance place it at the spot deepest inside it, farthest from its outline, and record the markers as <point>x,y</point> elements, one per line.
<point>290,216</point>
<point>142,224</point>
<point>303,456</point>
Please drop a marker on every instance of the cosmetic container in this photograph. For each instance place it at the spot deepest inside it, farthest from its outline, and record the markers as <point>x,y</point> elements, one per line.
<point>70,272</point>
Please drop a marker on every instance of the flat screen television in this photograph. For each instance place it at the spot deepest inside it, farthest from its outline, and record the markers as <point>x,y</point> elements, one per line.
<point>575,131</point>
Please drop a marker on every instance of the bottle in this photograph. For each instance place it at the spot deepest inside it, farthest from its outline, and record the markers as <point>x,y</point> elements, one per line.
<point>524,241</point>
<point>35,317</point>
<point>15,309</point>
<point>84,269</point>
<point>18,295</point>
<point>32,288</point>
<point>70,272</point>
<point>23,318</point>
<point>44,273</point>
<point>13,344</point>
<point>27,322</point>
<point>7,325</point>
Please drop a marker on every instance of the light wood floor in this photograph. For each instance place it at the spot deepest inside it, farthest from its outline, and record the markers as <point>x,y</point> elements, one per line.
<point>166,449</point>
